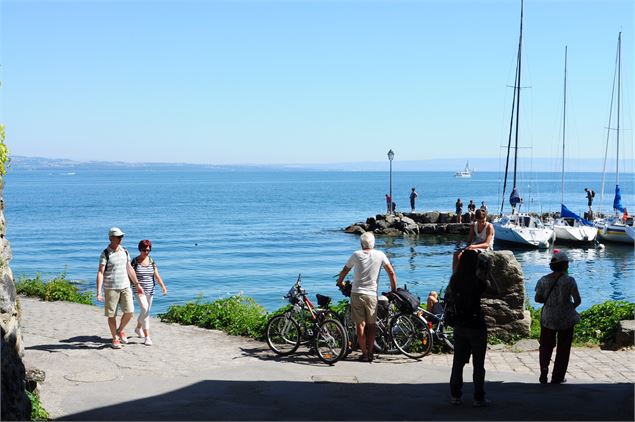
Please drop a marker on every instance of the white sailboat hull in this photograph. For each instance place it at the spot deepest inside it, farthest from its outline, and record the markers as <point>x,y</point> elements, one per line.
<point>630,231</point>
<point>577,233</point>
<point>613,230</point>
<point>508,229</point>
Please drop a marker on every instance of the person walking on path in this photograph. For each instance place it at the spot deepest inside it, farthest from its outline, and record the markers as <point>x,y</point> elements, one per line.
<point>470,329</point>
<point>367,263</point>
<point>481,237</point>
<point>115,275</point>
<point>148,275</point>
<point>471,208</point>
<point>559,293</point>
<point>413,199</point>
<point>459,210</point>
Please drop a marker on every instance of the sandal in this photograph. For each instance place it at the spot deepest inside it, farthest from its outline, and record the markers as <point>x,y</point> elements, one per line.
<point>363,358</point>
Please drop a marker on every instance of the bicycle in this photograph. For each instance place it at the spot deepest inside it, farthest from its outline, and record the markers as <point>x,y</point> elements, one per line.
<point>443,334</point>
<point>307,324</point>
<point>397,331</point>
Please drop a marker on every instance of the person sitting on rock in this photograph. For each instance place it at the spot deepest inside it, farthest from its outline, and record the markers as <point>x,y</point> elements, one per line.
<point>481,237</point>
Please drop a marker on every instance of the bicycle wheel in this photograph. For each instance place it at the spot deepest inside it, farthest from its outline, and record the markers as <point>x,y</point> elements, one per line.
<point>446,335</point>
<point>283,334</point>
<point>331,341</point>
<point>411,335</point>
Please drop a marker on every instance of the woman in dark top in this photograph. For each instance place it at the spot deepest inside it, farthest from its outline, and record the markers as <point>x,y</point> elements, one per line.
<point>470,330</point>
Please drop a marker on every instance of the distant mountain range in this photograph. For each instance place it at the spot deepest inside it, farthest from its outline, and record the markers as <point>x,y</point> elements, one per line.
<point>22,163</point>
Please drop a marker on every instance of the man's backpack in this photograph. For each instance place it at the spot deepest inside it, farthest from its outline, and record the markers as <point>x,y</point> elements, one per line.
<point>406,301</point>
<point>107,253</point>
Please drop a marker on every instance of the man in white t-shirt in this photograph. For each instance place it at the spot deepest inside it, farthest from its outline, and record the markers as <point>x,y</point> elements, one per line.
<point>367,263</point>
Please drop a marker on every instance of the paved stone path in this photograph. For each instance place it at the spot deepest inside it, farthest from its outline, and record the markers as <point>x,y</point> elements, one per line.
<point>197,374</point>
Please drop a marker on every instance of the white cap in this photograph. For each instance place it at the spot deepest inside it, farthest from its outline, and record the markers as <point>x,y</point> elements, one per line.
<point>115,231</point>
<point>559,256</point>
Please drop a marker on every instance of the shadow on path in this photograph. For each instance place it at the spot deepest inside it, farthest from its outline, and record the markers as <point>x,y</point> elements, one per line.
<point>79,342</point>
<point>284,400</point>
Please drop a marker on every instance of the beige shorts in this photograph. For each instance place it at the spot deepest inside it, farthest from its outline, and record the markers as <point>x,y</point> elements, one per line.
<point>122,297</point>
<point>364,308</point>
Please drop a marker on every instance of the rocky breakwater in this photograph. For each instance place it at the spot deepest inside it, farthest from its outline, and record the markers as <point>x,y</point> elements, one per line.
<point>15,403</point>
<point>432,222</point>
<point>504,302</point>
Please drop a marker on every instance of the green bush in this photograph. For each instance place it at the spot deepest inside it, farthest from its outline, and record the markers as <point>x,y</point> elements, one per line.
<point>38,413</point>
<point>57,289</point>
<point>599,323</point>
<point>236,315</point>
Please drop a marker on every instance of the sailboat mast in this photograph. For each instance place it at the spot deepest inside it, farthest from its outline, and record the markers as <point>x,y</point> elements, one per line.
<point>564,120</point>
<point>619,80</point>
<point>608,126</point>
<point>518,79</point>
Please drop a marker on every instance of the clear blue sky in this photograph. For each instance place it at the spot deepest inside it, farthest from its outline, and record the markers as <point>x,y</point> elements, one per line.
<point>224,82</point>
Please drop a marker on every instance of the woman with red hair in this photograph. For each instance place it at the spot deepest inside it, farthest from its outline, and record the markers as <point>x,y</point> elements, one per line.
<point>148,275</point>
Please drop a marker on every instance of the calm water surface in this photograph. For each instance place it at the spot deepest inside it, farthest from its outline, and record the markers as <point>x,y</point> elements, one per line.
<point>218,233</point>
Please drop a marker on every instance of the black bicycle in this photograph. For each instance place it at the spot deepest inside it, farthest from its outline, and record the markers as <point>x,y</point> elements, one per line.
<point>443,334</point>
<point>307,324</point>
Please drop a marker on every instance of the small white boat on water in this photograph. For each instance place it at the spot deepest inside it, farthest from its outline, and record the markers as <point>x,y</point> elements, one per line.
<point>616,229</point>
<point>630,231</point>
<point>523,229</point>
<point>519,228</point>
<point>466,172</point>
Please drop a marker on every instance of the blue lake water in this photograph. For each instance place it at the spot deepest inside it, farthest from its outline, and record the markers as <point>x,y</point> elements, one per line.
<point>217,233</point>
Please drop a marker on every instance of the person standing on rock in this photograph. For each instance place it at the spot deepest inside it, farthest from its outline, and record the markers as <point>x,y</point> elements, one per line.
<point>471,208</point>
<point>388,204</point>
<point>413,199</point>
<point>115,275</point>
<point>148,275</point>
<point>459,210</point>
<point>470,329</point>
<point>367,263</point>
<point>560,295</point>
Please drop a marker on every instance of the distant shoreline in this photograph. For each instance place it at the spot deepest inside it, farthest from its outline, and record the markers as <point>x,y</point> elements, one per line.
<point>482,165</point>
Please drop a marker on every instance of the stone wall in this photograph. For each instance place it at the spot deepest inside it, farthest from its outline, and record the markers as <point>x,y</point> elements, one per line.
<point>15,403</point>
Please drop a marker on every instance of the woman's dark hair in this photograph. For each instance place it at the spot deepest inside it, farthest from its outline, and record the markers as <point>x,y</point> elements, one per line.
<point>145,244</point>
<point>559,266</point>
<point>480,213</point>
<point>466,272</point>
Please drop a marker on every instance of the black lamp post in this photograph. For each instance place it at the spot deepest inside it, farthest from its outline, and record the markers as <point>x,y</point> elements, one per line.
<point>391,155</point>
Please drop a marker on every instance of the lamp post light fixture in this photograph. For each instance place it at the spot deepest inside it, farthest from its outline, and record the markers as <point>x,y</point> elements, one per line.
<point>391,156</point>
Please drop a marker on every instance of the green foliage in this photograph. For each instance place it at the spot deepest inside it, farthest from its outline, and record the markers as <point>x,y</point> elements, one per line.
<point>4,153</point>
<point>599,323</point>
<point>38,413</point>
<point>236,315</point>
<point>57,289</point>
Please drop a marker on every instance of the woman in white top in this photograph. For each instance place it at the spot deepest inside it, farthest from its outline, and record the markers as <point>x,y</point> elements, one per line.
<point>481,237</point>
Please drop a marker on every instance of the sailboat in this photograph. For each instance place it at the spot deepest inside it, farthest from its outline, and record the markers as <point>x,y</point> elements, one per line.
<point>570,227</point>
<point>519,228</point>
<point>614,228</point>
<point>466,172</point>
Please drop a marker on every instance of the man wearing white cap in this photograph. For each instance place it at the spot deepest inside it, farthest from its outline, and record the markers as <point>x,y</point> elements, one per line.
<point>115,274</point>
<point>559,293</point>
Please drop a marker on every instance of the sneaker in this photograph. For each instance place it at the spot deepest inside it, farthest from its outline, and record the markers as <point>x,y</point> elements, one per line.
<point>139,332</point>
<point>123,338</point>
<point>116,344</point>
<point>456,401</point>
<point>543,377</point>
<point>562,381</point>
<point>148,341</point>
<point>482,403</point>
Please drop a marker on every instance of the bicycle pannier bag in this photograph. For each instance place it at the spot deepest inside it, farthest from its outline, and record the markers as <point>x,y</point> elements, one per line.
<point>406,302</point>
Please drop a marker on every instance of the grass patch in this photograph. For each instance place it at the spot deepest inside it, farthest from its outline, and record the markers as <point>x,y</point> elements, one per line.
<point>38,413</point>
<point>236,315</point>
<point>57,289</point>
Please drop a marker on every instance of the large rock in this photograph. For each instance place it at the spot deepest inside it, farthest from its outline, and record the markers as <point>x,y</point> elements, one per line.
<point>624,335</point>
<point>504,302</point>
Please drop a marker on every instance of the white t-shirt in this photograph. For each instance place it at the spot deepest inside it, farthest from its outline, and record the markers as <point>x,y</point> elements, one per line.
<point>367,265</point>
